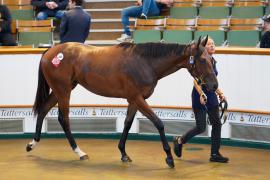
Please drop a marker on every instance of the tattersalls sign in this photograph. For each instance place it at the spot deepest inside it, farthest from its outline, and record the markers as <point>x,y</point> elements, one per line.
<point>27,112</point>
<point>249,118</point>
<point>161,113</point>
<point>15,113</point>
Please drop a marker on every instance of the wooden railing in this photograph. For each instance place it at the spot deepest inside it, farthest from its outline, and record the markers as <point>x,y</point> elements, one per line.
<point>219,50</point>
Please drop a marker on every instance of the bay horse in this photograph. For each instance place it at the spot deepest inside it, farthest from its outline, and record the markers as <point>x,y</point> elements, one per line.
<point>127,70</point>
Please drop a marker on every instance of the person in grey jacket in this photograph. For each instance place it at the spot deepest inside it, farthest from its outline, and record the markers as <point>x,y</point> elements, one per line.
<point>75,23</point>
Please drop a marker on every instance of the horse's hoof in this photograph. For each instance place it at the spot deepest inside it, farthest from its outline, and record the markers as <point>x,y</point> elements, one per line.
<point>126,159</point>
<point>85,157</point>
<point>170,162</point>
<point>29,147</point>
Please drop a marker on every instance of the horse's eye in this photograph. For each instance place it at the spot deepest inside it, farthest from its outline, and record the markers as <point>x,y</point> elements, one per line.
<point>202,60</point>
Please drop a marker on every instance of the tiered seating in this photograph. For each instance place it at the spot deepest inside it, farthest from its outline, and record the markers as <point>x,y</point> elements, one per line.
<point>20,9</point>
<point>211,9</point>
<point>267,7</point>
<point>247,9</point>
<point>148,30</point>
<point>213,18</point>
<point>228,31</point>
<point>216,28</point>
<point>36,33</point>
<point>185,9</point>
<point>194,20</point>
<point>244,32</point>
<point>179,30</point>
<point>106,24</point>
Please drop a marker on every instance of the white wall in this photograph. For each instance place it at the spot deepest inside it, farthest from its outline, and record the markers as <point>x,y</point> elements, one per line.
<point>243,78</point>
<point>245,81</point>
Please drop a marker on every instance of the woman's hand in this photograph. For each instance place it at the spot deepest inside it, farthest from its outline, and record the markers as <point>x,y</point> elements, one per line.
<point>221,97</point>
<point>203,99</point>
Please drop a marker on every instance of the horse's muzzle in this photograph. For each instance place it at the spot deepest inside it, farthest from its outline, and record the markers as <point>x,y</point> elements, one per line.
<point>211,82</point>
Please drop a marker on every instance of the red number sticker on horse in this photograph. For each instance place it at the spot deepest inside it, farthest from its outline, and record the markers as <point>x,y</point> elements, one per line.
<point>57,59</point>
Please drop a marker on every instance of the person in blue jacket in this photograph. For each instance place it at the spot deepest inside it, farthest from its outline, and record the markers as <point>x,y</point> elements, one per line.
<point>205,102</point>
<point>75,23</point>
<point>49,8</point>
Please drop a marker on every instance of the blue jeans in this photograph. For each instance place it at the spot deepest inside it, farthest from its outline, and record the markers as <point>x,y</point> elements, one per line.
<point>43,15</point>
<point>149,8</point>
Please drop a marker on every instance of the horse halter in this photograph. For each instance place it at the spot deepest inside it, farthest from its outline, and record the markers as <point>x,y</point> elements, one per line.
<point>192,63</point>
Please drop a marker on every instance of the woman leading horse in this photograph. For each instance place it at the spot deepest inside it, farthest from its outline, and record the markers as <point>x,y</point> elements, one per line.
<point>127,70</point>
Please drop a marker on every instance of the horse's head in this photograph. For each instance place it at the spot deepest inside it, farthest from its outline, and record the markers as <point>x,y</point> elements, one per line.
<point>200,64</point>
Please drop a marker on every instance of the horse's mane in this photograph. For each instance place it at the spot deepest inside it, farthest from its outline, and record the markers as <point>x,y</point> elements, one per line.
<point>153,50</point>
<point>126,45</point>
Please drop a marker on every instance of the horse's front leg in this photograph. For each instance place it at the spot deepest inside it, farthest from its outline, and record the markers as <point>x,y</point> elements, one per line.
<point>64,122</point>
<point>49,103</point>
<point>131,111</point>
<point>147,111</point>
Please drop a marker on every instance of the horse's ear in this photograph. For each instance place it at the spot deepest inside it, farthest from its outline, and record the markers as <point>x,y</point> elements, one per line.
<point>199,42</point>
<point>204,42</point>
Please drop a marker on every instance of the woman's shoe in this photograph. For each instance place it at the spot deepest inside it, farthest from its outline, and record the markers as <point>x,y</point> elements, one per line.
<point>124,38</point>
<point>177,147</point>
<point>218,158</point>
<point>143,16</point>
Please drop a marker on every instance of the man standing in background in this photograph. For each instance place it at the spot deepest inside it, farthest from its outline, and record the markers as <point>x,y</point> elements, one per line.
<point>75,23</point>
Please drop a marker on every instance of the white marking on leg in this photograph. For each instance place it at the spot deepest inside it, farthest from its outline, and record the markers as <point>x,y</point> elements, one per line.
<point>79,152</point>
<point>33,143</point>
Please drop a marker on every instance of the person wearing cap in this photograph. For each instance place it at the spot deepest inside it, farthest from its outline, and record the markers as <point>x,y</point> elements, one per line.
<point>205,102</point>
<point>265,40</point>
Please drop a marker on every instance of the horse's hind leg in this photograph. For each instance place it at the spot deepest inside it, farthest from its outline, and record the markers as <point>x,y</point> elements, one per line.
<point>147,111</point>
<point>50,102</point>
<point>131,111</point>
<point>63,118</point>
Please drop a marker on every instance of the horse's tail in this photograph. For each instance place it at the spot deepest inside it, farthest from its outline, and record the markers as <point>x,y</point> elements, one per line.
<point>43,91</point>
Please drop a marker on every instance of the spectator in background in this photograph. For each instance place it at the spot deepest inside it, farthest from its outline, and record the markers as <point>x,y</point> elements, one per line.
<point>49,8</point>
<point>6,38</point>
<point>144,9</point>
<point>265,40</point>
<point>75,23</point>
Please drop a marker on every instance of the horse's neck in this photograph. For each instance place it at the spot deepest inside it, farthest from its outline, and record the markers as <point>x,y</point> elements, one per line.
<point>168,66</point>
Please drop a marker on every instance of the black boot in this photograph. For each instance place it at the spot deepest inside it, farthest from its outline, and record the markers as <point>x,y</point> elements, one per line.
<point>218,158</point>
<point>177,147</point>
